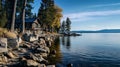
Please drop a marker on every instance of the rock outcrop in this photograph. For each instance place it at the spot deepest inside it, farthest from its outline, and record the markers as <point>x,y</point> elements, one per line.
<point>29,53</point>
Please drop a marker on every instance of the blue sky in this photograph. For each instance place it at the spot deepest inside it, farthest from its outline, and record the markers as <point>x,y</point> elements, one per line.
<point>89,14</point>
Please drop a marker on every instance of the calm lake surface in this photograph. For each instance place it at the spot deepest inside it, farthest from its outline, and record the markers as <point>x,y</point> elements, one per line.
<point>90,50</point>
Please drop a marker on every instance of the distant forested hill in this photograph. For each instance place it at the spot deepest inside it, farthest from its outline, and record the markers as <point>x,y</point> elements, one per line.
<point>100,31</point>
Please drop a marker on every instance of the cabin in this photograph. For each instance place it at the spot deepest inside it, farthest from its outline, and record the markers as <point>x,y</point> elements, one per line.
<point>28,23</point>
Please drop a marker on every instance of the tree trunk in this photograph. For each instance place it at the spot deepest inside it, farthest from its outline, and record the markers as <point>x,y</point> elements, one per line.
<point>23,16</point>
<point>13,16</point>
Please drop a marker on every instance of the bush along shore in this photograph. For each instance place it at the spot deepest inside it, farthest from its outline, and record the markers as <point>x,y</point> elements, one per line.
<point>28,50</point>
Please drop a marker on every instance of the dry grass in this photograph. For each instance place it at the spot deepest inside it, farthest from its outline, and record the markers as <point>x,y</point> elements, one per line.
<point>6,33</point>
<point>10,35</point>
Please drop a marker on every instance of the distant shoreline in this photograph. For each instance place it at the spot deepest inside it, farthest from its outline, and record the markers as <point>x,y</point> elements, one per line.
<point>100,31</point>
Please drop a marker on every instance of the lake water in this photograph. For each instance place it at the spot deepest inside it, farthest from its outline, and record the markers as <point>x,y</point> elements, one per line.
<point>89,50</point>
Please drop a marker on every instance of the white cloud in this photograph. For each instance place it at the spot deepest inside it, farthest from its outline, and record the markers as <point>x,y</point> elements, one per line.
<point>90,15</point>
<point>95,27</point>
<point>114,4</point>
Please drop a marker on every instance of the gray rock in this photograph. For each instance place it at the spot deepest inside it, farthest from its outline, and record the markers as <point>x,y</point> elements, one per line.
<point>3,45</point>
<point>41,65</point>
<point>34,57</point>
<point>26,46</point>
<point>22,50</point>
<point>13,43</point>
<point>3,59</point>
<point>33,38</point>
<point>12,54</point>
<point>42,42</point>
<point>44,54</point>
<point>41,50</point>
<point>31,63</point>
<point>47,49</point>
<point>40,58</point>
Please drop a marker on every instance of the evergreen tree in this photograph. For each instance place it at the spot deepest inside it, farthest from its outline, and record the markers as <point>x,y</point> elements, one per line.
<point>0,4</point>
<point>45,13</point>
<point>28,8</point>
<point>63,26</point>
<point>13,16</point>
<point>23,16</point>
<point>50,15</point>
<point>3,18</point>
<point>9,6</point>
<point>68,24</point>
<point>24,8</point>
<point>12,8</point>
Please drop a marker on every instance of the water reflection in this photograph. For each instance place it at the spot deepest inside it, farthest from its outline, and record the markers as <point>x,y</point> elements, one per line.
<point>54,59</point>
<point>66,41</point>
<point>63,40</point>
<point>91,50</point>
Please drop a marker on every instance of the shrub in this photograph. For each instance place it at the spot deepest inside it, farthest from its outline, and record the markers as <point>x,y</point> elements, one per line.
<point>5,33</point>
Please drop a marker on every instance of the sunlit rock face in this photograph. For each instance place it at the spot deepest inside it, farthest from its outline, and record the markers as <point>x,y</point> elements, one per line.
<point>3,44</point>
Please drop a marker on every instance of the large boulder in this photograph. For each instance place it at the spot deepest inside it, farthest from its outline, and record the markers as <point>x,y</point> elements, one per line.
<point>36,57</point>
<point>33,38</point>
<point>40,58</point>
<point>44,54</point>
<point>41,50</point>
<point>31,63</point>
<point>30,37</point>
<point>3,59</point>
<point>3,44</point>
<point>13,43</point>
<point>11,54</point>
<point>47,49</point>
<point>28,63</point>
<point>42,41</point>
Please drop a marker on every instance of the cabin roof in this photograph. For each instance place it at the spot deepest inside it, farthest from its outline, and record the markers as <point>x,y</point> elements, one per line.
<point>27,20</point>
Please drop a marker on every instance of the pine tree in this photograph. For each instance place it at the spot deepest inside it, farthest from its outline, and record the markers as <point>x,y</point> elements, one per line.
<point>24,8</point>
<point>13,16</point>
<point>23,16</point>
<point>3,18</point>
<point>0,4</point>
<point>68,24</point>
<point>63,26</point>
<point>9,6</point>
<point>28,8</point>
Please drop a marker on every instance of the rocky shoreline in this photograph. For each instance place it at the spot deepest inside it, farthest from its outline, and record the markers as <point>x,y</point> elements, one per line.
<point>29,53</point>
